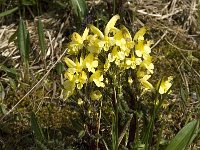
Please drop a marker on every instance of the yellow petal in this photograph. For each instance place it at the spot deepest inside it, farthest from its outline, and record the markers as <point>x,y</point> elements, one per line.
<point>111,24</point>
<point>69,63</point>
<point>96,31</point>
<point>76,37</point>
<point>140,33</point>
<point>85,34</point>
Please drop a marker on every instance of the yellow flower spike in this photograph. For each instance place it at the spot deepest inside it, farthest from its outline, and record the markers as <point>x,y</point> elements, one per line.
<point>97,77</point>
<point>96,31</point>
<point>69,63</point>
<point>111,24</point>
<point>95,95</point>
<point>90,63</point>
<point>165,85</point>
<point>140,34</point>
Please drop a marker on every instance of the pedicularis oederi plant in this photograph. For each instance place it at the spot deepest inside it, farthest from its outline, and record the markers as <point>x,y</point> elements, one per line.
<point>111,66</point>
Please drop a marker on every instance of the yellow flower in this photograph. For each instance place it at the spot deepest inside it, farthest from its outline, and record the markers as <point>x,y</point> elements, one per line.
<point>165,85</point>
<point>127,36</point>
<point>123,39</point>
<point>95,95</point>
<point>119,40</point>
<point>132,62</point>
<point>106,42</point>
<point>143,50</point>
<point>75,73</point>
<point>81,79</point>
<point>74,67</point>
<point>116,54</point>
<point>146,84</point>
<point>77,41</point>
<point>95,45</point>
<point>96,31</point>
<point>110,25</point>
<point>97,77</point>
<point>147,63</point>
<point>140,34</point>
<point>90,63</point>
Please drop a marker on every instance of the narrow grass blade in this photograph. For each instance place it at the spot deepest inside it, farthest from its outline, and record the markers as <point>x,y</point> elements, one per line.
<point>41,38</point>
<point>36,128</point>
<point>11,72</point>
<point>13,37</point>
<point>80,8</point>
<point>23,41</point>
<point>27,51</point>
<point>2,92</point>
<point>8,12</point>
<point>28,2</point>
<point>185,136</point>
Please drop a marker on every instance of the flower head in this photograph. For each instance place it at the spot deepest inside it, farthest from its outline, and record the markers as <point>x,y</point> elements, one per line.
<point>165,85</point>
<point>77,41</point>
<point>97,77</point>
<point>90,63</point>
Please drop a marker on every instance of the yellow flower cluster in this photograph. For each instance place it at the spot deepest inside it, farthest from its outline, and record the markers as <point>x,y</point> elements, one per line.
<point>116,46</point>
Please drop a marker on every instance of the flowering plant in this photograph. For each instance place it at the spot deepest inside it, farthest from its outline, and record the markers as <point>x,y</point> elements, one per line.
<point>111,63</point>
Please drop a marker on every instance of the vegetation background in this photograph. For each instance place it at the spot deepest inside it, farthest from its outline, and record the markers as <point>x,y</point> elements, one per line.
<point>33,38</point>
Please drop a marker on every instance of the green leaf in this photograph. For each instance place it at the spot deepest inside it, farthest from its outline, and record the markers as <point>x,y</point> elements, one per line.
<point>81,134</point>
<point>185,136</point>
<point>10,71</point>
<point>41,38</point>
<point>80,8</point>
<point>28,2</point>
<point>13,83</point>
<point>36,128</point>
<point>8,12</point>
<point>23,40</point>
<point>60,68</point>
<point>3,109</point>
